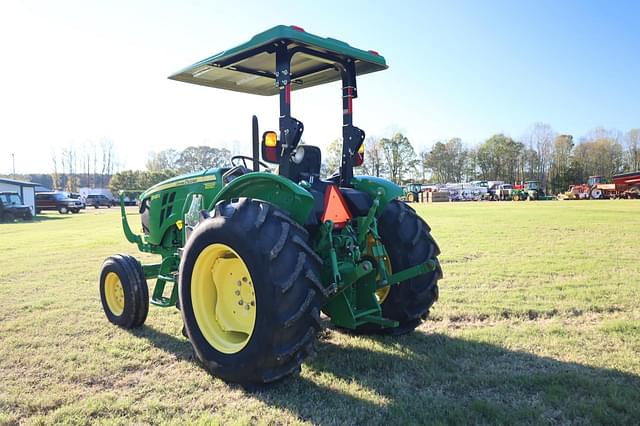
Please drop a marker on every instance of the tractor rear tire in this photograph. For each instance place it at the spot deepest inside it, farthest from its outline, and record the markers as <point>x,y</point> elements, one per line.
<point>259,240</point>
<point>408,242</point>
<point>123,291</point>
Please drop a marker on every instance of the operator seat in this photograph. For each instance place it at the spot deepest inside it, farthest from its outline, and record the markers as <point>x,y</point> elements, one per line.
<point>309,168</point>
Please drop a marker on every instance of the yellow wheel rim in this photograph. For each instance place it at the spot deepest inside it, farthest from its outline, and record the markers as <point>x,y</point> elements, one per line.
<point>223,298</point>
<point>382,293</point>
<point>114,293</point>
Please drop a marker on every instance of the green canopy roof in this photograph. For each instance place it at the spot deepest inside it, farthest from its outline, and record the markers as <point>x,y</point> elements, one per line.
<point>250,67</point>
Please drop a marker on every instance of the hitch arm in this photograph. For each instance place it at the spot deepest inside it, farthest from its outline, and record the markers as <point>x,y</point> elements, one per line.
<point>412,272</point>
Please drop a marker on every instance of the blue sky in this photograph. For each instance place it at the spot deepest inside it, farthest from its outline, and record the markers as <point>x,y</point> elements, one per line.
<point>78,72</point>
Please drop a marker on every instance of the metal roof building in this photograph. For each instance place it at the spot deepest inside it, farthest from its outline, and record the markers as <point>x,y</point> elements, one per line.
<point>26,190</point>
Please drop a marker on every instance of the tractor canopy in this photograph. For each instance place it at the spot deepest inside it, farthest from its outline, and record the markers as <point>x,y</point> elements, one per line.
<point>251,67</point>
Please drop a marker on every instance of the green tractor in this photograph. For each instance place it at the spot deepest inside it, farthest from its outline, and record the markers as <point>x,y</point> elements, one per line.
<point>413,192</point>
<point>529,190</point>
<point>253,257</point>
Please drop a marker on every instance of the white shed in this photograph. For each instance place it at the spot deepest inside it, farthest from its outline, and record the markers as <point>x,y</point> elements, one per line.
<point>26,190</point>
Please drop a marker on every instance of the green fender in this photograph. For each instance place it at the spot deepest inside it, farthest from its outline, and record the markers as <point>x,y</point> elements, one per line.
<point>375,186</point>
<point>274,189</point>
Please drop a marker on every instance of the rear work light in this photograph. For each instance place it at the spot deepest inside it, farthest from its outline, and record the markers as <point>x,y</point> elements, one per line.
<point>359,157</point>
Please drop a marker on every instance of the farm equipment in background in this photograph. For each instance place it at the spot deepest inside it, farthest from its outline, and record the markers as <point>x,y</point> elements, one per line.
<point>465,191</point>
<point>626,185</point>
<point>575,192</point>
<point>413,193</point>
<point>629,184</point>
<point>502,192</point>
<point>253,257</point>
<point>529,190</point>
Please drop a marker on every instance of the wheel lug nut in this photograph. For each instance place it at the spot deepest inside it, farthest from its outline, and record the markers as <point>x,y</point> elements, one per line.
<point>240,302</point>
<point>239,283</point>
<point>237,292</point>
<point>244,279</point>
<point>253,303</point>
<point>247,307</point>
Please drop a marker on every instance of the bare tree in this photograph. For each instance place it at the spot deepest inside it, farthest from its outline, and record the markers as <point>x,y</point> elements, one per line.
<point>399,156</point>
<point>55,177</point>
<point>632,139</point>
<point>599,153</point>
<point>373,157</point>
<point>539,139</point>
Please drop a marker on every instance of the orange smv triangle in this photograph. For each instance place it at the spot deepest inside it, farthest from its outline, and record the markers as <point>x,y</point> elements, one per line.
<point>335,208</point>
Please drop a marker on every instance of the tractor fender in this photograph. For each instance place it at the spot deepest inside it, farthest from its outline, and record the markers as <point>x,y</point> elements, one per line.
<point>271,188</point>
<point>375,186</point>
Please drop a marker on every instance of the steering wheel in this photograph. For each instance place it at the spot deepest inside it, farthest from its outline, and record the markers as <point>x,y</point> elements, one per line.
<point>246,158</point>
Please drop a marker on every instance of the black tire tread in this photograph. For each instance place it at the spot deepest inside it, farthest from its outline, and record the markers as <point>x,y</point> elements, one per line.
<point>408,242</point>
<point>135,288</point>
<point>295,290</point>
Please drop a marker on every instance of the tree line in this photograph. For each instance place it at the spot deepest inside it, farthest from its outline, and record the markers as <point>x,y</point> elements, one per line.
<point>165,164</point>
<point>556,160</point>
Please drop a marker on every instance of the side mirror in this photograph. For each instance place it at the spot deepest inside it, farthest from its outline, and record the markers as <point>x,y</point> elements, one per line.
<point>358,158</point>
<point>271,147</point>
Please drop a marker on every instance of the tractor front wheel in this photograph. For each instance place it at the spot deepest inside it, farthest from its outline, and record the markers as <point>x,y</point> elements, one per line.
<point>408,242</point>
<point>123,291</point>
<point>250,294</point>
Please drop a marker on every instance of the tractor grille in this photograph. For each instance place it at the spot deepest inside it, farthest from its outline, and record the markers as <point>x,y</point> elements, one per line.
<point>167,206</point>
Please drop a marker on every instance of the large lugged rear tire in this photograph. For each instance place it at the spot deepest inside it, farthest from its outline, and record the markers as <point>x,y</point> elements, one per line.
<point>250,293</point>
<point>408,242</point>
<point>123,291</point>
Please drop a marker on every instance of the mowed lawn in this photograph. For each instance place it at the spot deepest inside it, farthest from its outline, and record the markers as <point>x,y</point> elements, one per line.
<point>538,322</point>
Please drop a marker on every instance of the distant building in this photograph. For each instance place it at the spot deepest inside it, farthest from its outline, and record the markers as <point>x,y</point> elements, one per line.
<point>26,190</point>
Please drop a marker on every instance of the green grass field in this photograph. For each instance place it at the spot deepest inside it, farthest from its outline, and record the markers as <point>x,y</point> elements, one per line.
<point>538,322</point>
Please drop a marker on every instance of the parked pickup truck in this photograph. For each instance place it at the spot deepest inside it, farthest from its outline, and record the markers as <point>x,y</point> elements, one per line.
<point>57,201</point>
<point>12,207</point>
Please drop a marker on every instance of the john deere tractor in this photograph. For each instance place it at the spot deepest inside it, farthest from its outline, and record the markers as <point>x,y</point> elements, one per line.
<point>412,192</point>
<point>251,256</point>
<point>529,190</point>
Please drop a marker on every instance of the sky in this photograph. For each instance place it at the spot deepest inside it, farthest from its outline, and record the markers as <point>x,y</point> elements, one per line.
<point>75,73</point>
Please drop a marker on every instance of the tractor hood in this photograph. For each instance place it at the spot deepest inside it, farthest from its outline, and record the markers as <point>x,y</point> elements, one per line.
<point>201,176</point>
<point>250,67</point>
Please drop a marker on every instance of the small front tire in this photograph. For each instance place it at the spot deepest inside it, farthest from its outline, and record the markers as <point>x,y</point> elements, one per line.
<point>123,291</point>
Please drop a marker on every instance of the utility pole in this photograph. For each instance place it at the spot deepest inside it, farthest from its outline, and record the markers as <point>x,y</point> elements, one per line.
<point>13,160</point>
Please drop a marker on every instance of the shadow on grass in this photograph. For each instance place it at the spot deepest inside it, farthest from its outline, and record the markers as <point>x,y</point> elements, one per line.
<point>49,217</point>
<point>36,219</point>
<point>423,379</point>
